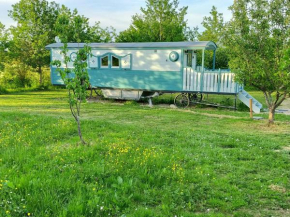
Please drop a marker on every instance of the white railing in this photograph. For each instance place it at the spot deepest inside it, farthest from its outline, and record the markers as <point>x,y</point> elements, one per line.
<point>215,81</point>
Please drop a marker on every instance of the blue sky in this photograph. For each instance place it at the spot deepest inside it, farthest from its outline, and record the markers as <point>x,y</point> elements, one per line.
<point>118,13</point>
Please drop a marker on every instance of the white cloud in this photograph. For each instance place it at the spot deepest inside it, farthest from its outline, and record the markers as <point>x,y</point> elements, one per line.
<point>119,13</point>
<point>9,2</point>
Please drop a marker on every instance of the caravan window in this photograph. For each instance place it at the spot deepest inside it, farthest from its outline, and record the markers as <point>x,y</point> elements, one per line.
<point>115,62</point>
<point>105,62</point>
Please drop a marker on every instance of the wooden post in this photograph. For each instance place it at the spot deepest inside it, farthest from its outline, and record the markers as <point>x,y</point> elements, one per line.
<point>251,108</point>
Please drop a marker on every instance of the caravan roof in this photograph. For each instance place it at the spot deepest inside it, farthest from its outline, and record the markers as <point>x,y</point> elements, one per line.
<point>207,45</point>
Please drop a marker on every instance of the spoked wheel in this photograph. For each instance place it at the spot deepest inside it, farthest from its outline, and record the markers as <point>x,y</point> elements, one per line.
<point>195,97</point>
<point>181,100</point>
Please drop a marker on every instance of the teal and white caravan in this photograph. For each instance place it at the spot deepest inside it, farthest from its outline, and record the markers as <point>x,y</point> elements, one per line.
<point>135,70</point>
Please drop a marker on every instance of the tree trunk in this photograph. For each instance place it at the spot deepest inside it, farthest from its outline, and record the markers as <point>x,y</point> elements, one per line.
<point>271,115</point>
<point>40,75</point>
<point>79,130</point>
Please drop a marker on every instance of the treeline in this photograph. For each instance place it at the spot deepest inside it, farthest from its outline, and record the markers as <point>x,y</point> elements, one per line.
<point>24,61</point>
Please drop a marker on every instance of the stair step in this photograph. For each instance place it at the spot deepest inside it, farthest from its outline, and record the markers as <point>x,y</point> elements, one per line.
<point>245,98</point>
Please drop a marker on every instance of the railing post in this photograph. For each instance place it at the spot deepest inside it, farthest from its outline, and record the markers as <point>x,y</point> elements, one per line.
<point>184,79</point>
<point>219,81</point>
<point>202,72</point>
<point>213,64</point>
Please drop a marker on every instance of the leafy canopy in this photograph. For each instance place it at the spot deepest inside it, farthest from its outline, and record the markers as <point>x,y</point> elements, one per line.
<point>4,44</point>
<point>34,30</point>
<point>214,30</point>
<point>73,27</point>
<point>258,36</point>
<point>160,20</point>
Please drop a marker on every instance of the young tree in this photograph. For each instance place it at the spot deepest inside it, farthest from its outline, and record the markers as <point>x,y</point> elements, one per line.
<point>76,80</point>
<point>35,29</point>
<point>160,21</point>
<point>258,35</point>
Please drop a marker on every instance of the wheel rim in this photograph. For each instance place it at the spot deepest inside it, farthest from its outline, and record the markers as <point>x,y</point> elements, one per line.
<point>181,101</point>
<point>195,97</point>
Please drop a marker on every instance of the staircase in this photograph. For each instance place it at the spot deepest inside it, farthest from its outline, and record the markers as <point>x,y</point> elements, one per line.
<point>245,98</point>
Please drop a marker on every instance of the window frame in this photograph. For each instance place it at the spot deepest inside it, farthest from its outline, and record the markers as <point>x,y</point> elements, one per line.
<point>101,65</point>
<point>110,56</point>
<point>119,59</point>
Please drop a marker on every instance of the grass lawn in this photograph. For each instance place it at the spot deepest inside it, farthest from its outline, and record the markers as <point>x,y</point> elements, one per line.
<point>140,162</point>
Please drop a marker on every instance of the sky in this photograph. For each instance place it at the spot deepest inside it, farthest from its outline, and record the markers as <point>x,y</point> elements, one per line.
<point>118,13</point>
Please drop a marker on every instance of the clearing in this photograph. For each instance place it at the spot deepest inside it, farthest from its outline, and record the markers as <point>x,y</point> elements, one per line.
<point>140,162</point>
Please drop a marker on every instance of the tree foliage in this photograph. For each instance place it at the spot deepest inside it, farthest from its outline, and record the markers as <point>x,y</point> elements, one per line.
<point>98,34</point>
<point>76,28</point>
<point>214,29</point>
<point>36,27</point>
<point>4,44</point>
<point>160,20</point>
<point>258,36</point>
<point>34,30</point>
<point>18,75</point>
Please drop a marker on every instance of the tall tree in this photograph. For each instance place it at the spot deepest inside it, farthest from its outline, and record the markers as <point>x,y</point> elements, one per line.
<point>213,25</point>
<point>98,34</point>
<point>214,31</point>
<point>4,44</point>
<point>258,35</point>
<point>160,20</point>
<point>35,29</point>
<point>73,27</point>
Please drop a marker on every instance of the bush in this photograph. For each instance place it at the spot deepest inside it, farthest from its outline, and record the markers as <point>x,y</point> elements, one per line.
<point>18,75</point>
<point>2,90</point>
<point>131,102</point>
<point>242,107</point>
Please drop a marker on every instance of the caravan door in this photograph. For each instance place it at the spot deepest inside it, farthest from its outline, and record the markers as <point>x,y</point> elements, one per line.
<point>190,59</point>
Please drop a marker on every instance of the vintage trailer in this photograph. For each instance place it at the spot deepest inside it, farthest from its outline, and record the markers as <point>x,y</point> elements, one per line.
<point>135,70</point>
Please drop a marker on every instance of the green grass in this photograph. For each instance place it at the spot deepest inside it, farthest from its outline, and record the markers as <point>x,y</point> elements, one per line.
<point>140,162</point>
<point>222,100</point>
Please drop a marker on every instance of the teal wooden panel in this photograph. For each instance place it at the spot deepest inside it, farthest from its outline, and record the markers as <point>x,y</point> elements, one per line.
<point>130,79</point>
<point>55,77</point>
<point>149,80</point>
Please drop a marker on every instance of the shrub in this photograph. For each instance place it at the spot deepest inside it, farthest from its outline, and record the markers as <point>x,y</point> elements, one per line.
<point>2,90</point>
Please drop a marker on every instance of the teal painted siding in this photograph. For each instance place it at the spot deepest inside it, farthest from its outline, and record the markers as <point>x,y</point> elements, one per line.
<point>149,80</point>
<point>55,77</point>
<point>131,79</point>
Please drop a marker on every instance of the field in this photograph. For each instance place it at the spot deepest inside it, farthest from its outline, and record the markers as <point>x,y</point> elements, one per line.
<point>140,161</point>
